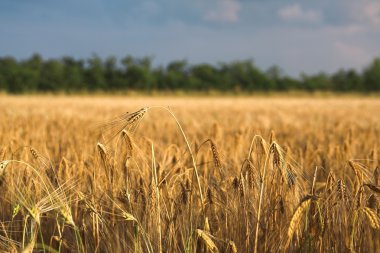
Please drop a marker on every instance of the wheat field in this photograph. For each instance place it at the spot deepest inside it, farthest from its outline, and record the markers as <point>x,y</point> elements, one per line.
<point>231,174</point>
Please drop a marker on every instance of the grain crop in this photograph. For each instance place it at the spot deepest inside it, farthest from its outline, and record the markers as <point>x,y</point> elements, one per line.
<point>189,174</point>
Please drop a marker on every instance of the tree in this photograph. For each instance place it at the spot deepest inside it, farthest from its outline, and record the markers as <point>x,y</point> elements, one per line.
<point>51,76</point>
<point>205,77</point>
<point>275,76</point>
<point>94,75</point>
<point>138,72</point>
<point>176,75</point>
<point>371,76</point>
<point>346,81</point>
<point>316,82</point>
<point>72,74</point>
<point>8,70</point>
<point>113,75</point>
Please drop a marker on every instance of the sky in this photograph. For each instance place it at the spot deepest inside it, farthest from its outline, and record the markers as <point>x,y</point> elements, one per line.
<point>299,36</point>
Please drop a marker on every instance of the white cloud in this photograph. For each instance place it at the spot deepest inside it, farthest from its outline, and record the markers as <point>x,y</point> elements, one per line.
<point>352,53</point>
<point>352,29</point>
<point>371,12</point>
<point>296,13</point>
<point>365,13</point>
<point>352,42</point>
<point>225,11</point>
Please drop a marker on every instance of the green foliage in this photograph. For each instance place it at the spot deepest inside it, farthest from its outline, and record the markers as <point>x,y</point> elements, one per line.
<point>51,76</point>
<point>347,80</point>
<point>371,76</point>
<point>95,74</point>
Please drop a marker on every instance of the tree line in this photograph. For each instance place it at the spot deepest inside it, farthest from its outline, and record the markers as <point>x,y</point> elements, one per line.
<point>68,74</point>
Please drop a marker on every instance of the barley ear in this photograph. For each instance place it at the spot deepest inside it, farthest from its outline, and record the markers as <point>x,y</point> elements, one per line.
<point>372,217</point>
<point>207,240</point>
<point>296,218</point>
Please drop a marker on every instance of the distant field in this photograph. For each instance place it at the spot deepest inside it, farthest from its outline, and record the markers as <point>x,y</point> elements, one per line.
<point>252,158</point>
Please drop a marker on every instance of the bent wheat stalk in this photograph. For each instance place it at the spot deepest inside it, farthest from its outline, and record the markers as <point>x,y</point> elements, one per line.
<point>296,218</point>
<point>261,198</point>
<point>131,120</point>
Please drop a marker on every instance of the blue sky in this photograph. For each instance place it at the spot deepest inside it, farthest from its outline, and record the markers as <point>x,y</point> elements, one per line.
<point>299,36</point>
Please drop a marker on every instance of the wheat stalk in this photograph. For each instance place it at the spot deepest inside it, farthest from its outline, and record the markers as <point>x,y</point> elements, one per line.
<point>296,218</point>
<point>207,240</point>
<point>372,217</point>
